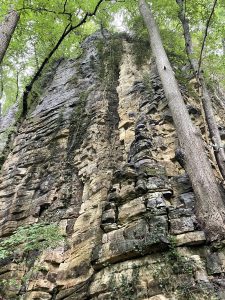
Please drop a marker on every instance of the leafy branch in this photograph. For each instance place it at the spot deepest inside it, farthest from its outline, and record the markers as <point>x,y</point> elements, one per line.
<point>43,9</point>
<point>68,29</point>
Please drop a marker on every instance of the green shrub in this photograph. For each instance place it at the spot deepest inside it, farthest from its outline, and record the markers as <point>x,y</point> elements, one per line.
<point>38,237</point>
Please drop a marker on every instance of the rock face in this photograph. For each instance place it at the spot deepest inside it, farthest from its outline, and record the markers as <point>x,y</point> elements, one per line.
<point>96,155</point>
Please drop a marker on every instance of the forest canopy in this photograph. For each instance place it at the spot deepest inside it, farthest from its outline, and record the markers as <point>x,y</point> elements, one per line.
<point>42,23</point>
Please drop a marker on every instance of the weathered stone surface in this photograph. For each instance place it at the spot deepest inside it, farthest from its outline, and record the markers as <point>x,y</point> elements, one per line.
<point>131,210</point>
<point>183,183</point>
<point>181,225</point>
<point>141,237</point>
<point>109,216</point>
<point>38,296</point>
<point>98,159</point>
<point>155,183</point>
<point>214,264</point>
<point>191,238</point>
<point>158,297</point>
<point>188,199</point>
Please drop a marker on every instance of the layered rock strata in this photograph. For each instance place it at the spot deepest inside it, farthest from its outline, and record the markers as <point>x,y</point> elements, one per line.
<point>97,156</point>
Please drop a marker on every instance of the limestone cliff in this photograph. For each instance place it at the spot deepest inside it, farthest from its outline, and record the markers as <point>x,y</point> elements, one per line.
<point>97,156</point>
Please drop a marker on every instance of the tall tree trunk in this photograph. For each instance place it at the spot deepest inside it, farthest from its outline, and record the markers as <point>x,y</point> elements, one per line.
<point>223,43</point>
<point>206,99</point>
<point>209,205</point>
<point>1,90</point>
<point>7,28</point>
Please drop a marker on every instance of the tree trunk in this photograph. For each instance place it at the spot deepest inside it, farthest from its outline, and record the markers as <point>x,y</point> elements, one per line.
<point>187,36</point>
<point>1,90</point>
<point>223,43</point>
<point>206,99</point>
<point>209,205</point>
<point>7,28</point>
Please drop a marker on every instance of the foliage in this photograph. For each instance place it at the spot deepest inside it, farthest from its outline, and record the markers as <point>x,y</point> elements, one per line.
<point>38,237</point>
<point>22,244</point>
<point>42,23</point>
<point>166,14</point>
<point>198,13</point>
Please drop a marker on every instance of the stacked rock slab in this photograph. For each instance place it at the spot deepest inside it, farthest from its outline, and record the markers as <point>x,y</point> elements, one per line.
<point>101,163</point>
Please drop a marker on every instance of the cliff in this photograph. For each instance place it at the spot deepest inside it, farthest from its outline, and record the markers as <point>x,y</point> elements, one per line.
<point>96,155</point>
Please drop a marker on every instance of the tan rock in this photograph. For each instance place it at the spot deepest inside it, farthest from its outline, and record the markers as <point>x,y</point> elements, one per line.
<point>63,227</point>
<point>221,255</point>
<point>158,297</point>
<point>127,191</point>
<point>43,284</point>
<point>113,236</point>
<point>131,209</point>
<point>191,238</point>
<point>54,256</point>
<point>76,186</point>
<point>37,296</point>
<point>126,121</point>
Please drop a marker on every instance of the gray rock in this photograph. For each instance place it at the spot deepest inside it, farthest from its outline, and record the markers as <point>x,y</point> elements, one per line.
<point>175,213</point>
<point>181,225</point>
<point>213,264</point>
<point>109,216</point>
<point>188,199</point>
<point>182,183</point>
<point>141,186</point>
<point>167,116</point>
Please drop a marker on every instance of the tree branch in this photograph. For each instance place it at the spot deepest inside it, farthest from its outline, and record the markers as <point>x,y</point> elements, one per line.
<point>42,9</point>
<point>205,35</point>
<point>64,6</point>
<point>187,36</point>
<point>88,14</point>
<point>66,32</point>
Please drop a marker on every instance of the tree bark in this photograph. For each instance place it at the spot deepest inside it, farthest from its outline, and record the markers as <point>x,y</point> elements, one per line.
<point>223,43</point>
<point>209,205</point>
<point>206,99</point>
<point>7,28</point>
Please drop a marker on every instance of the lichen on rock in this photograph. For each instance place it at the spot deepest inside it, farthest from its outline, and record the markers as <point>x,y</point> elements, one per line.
<point>96,156</point>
